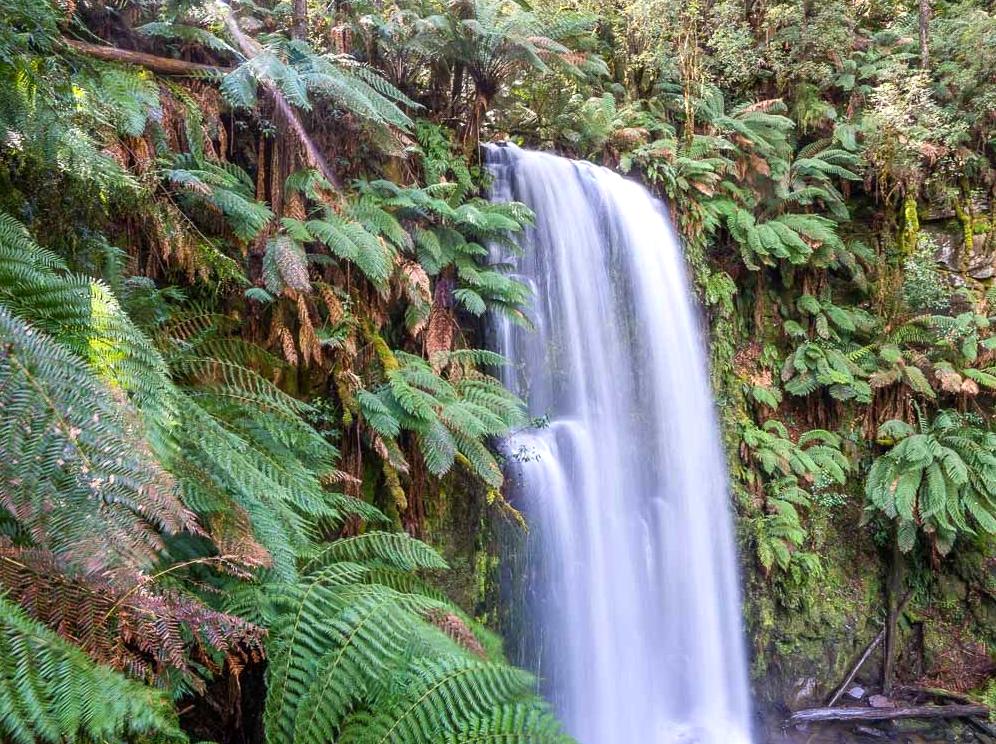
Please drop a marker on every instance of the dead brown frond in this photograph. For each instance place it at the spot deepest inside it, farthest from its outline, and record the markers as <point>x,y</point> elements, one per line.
<point>454,626</point>
<point>147,631</point>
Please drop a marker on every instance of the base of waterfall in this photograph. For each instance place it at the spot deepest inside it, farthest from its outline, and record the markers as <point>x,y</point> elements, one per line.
<point>722,732</point>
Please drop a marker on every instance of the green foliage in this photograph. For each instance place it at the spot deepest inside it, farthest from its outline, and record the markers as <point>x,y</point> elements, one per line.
<point>819,364</point>
<point>228,445</point>
<point>52,692</point>
<point>795,238</point>
<point>346,239</point>
<point>494,39</point>
<point>352,659</point>
<point>452,237</point>
<point>231,333</point>
<point>789,472</point>
<point>938,478</point>
<point>439,163</point>
<point>223,187</point>
<point>245,446</point>
<point>449,419</point>
<point>297,71</point>
<point>72,476</point>
<point>924,288</point>
<point>393,549</point>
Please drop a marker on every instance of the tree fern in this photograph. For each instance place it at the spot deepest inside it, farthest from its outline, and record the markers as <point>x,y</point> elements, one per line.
<point>455,236</point>
<point>814,365</point>
<point>511,724</point>
<point>791,472</point>
<point>131,97</point>
<point>185,34</point>
<point>222,187</point>
<point>231,432</point>
<point>302,74</point>
<point>450,420</point>
<point>393,549</point>
<point>939,478</point>
<point>789,237</point>
<point>360,663</point>
<point>349,240</point>
<point>159,634</point>
<point>358,89</point>
<point>433,698</point>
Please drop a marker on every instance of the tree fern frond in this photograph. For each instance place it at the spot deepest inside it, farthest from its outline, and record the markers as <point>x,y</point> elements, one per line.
<point>390,548</point>
<point>54,693</point>
<point>433,697</point>
<point>76,472</point>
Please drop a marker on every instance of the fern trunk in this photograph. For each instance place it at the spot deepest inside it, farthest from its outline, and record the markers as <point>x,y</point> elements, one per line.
<point>894,591</point>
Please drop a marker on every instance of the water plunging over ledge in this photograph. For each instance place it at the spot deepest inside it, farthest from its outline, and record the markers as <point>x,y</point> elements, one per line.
<point>635,607</point>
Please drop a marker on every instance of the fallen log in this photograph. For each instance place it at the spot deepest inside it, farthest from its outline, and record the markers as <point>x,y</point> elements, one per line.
<point>162,65</point>
<point>981,726</point>
<point>815,715</point>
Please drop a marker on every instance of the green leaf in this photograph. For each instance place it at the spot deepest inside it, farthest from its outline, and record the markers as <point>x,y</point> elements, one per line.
<point>904,491</point>
<point>906,535</point>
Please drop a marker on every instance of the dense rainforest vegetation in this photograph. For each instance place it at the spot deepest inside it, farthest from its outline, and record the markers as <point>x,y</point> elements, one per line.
<point>244,276</point>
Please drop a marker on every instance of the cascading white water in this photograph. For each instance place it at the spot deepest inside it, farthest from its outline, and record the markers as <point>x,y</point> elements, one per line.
<point>635,601</point>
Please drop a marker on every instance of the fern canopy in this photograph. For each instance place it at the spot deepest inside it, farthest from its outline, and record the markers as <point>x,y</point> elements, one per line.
<point>72,476</point>
<point>353,659</point>
<point>938,478</point>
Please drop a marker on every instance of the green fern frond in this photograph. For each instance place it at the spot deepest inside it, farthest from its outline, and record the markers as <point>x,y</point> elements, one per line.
<point>75,471</point>
<point>393,549</point>
<point>54,693</point>
<point>430,698</point>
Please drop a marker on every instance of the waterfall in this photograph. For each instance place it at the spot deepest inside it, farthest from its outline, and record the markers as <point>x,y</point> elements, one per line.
<point>634,609</point>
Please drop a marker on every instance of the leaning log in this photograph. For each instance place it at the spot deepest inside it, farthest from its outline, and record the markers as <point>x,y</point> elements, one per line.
<point>162,65</point>
<point>312,155</point>
<point>856,668</point>
<point>814,715</point>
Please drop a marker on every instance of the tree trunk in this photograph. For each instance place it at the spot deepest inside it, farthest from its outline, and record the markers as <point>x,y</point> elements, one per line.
<point>312,155</point>
<point>894,590</point>
<point>924,27</point>
<point>456,90</point>
<point>299,29</point>
<point>754,14</point>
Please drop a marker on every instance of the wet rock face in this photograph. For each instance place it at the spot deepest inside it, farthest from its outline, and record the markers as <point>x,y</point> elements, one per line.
<point>804,693</point>
<point>947,232</point>
<point>979,264</point>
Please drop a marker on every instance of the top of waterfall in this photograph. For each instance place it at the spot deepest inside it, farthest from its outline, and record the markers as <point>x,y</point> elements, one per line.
<point>504,152</point>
